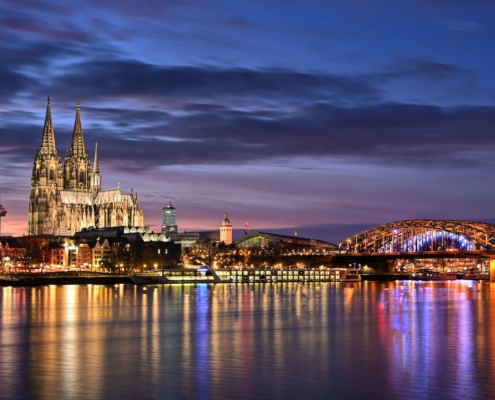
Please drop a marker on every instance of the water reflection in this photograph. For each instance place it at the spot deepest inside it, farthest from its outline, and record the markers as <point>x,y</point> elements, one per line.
<point>358,340</point>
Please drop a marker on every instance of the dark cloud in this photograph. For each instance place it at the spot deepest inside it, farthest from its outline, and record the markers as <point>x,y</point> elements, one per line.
<point>384,134</point>
<point>13,82</point>
<point>206,115</point>
<point>26,67</point>
<point>427,70</point>
<point>119,78</point>
<point>391,134</point>
<point>464,26</point>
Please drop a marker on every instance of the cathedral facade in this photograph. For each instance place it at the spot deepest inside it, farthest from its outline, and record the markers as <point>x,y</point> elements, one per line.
<point>65,198</point>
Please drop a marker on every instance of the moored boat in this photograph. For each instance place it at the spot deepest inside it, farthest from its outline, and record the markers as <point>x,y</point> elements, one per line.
<point>199,275</point>
<point>19,281</point>
<point>476,275</point>
<point>351,275</point>
<point>430,275</point>
<point>247,275</point>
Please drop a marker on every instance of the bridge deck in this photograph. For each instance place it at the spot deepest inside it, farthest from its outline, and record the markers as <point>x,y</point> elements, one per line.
<point>415,255</point>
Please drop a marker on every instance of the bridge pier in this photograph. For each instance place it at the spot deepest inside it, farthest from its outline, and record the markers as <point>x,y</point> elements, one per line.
<point>492,270</point>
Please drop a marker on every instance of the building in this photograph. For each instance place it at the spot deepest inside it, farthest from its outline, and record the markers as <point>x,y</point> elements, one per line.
<point>131,247</point>
<point>226,230</point>
<point>185,239</point>
<point>57,254</point>
<point>286,243</point>
<point>101,252</point>
<point>11,250</point>
<point>195,239</point>
<point>168,218</point>
<point>84,256</point>
<point>68,198</point>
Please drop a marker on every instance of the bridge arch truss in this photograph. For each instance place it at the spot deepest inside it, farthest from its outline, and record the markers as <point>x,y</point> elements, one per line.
<point>418,235</point>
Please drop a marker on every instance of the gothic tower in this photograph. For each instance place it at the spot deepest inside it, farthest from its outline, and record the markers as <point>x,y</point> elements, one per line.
<point>77,167</point>
<point>46,181</point>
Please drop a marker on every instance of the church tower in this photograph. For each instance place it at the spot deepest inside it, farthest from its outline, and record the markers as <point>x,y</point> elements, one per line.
<point>46,181</point>
<point>77,167</point>
<point>226,230</point>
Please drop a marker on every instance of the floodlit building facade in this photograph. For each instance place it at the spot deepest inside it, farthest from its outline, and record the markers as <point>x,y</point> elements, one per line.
<point>66,198</point>
<point>226,230</point>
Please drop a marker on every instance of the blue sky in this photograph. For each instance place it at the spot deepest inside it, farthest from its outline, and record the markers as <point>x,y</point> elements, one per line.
<point>321,116</point>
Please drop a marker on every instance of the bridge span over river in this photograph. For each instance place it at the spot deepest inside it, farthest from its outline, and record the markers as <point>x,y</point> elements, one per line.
<point>420,239</point>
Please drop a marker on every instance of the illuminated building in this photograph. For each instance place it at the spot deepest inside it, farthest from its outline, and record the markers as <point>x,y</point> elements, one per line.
<point>84,255</point>
<point>297,243</point>
<point>226,230</point>
<point>68,198</point>
<point>168,218</point>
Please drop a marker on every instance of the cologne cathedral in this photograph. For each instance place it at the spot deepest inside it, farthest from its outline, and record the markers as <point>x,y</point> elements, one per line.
<point>68,198</point>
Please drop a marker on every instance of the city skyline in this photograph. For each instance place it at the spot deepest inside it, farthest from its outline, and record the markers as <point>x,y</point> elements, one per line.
<point>325,118</point>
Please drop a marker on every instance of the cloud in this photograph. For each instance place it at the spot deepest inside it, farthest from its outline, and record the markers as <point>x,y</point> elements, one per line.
<point>426,70</point>
<point>184,115</point>
<point>13,82</point>
<point>389,134</point>
<point>134,78</point>
<point>464,26</point>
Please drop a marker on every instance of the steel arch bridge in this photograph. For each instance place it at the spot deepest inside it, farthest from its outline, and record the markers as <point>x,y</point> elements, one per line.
<point>419,235</point>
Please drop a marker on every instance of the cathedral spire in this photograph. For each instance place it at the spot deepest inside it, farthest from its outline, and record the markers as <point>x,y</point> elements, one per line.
<point>48,140</point>
<point>96,165</point>
<point>96,176</point>
<point>77,145</point>
<point>46,178</point>
<point>77,167</point>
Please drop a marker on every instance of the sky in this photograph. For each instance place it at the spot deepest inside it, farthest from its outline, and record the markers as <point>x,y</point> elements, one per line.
<point>321,117</point>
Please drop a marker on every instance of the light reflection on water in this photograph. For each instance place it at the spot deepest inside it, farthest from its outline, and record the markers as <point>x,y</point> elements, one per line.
<point>411,340</point>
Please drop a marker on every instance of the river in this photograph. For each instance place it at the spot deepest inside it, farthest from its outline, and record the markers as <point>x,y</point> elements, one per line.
<point>369,340</point>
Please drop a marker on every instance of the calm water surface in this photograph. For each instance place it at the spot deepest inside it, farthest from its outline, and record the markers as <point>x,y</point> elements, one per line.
<point>401,340</point>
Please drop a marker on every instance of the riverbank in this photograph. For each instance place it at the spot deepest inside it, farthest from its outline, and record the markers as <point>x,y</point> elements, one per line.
<point>109,279</point>
<point>62,279</point>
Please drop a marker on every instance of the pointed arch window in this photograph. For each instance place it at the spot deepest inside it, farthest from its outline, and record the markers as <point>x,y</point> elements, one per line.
<point>52,174</point>
<point>81,176</point>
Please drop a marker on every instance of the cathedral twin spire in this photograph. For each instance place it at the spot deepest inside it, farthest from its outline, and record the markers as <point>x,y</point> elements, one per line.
<point>77,167</point>
<point>77,145</point>
<point>48,140</point>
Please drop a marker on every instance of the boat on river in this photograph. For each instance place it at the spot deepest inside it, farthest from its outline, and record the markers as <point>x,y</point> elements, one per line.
<point>199,275</point>
<point>10,280</point>
<point>247,275</point>
<point>430,275</point>
<point>476,276</point>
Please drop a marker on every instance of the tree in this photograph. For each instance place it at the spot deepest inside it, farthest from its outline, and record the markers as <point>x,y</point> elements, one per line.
<point>149,257</point>
<point>36,252</point>
<point>119,257</point>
